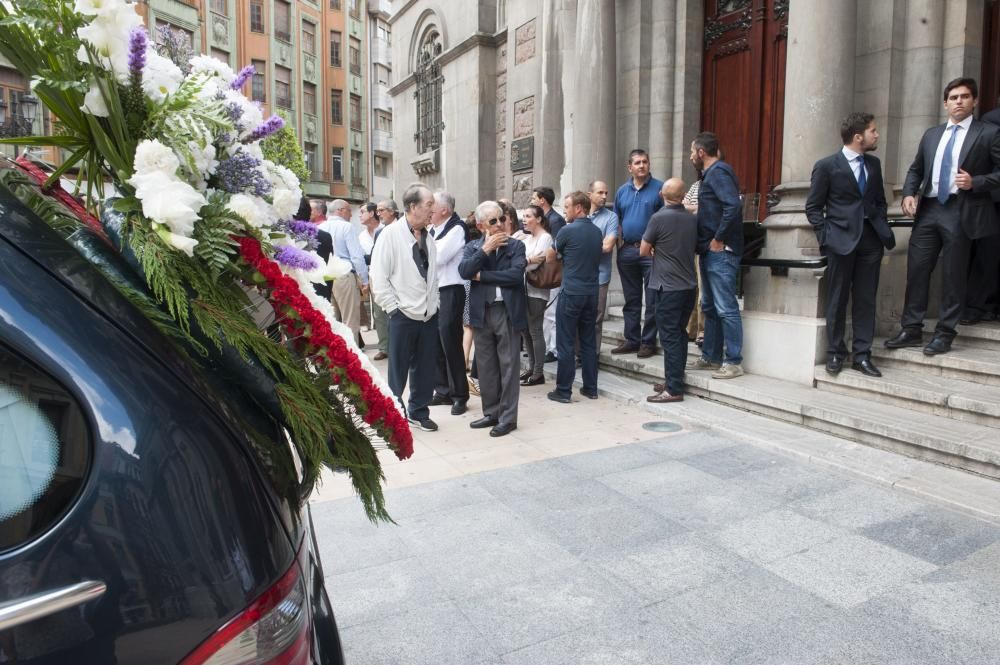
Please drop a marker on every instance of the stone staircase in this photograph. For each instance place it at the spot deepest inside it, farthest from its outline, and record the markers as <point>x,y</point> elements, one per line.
<point>944,409</point>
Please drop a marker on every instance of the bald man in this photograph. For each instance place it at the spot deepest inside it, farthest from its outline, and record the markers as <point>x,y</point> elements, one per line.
<point>671,238</point>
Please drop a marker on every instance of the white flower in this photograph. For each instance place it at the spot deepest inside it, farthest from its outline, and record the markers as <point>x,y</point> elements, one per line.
<point>168,200</point>
<point>204,158</point>
<point>97,7</point>
<point>160,76</point>
<point>182,243</point>
<point>152,156</point>
<point>251,116</point>
<point>93,102</point>
<point>286,202</point>
<point>108,33</point>
<point>209,65</point>
<point>336,268</point>
<point>251,209</point>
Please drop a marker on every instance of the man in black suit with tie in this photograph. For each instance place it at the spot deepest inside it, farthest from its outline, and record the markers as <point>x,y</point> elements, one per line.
<point>847,209</point>
<point>947,190</point>
<point>982,300</point>
<point>498,308</point>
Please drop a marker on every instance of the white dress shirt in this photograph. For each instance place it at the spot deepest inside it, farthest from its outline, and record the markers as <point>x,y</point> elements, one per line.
<point>856,165</point>
<point>367,240</point>
<point>450,250</point>
<point>956,150</point>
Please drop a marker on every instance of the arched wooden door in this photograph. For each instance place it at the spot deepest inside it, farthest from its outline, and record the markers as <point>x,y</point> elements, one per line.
<point>743,91</point>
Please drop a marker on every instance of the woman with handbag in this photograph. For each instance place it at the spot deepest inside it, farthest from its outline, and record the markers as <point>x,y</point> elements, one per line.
<point>536,241</point>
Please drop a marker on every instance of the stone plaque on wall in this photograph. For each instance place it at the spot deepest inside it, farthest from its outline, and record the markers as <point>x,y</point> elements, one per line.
<point>524,117</point>
<point>522,154</point>
<point>522,190</point>
<point>524,42</point>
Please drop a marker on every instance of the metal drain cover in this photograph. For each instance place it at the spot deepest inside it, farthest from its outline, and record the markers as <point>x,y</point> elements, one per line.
<point>661,426</point>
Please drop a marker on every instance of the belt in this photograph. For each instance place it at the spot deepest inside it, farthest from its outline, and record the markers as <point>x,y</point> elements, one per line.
<point>495,302</point>
<point>631,244</point>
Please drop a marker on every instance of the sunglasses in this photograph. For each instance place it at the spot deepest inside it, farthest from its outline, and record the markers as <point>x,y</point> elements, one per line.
<point>495,220</point>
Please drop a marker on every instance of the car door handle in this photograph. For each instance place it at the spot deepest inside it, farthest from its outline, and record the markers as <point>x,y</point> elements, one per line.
<point>16,612</point>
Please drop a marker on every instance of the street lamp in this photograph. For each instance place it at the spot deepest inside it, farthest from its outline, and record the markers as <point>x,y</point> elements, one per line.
<point>20,122</point>
<point>29,108</point>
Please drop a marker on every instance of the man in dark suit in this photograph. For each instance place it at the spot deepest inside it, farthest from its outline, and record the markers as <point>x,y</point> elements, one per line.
<point>982,301</point>
<point>947,190</point>
<point>847,209</point>
<point>498,306</point>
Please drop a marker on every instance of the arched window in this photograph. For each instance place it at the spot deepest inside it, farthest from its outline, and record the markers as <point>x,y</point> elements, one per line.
<point>428,93</point>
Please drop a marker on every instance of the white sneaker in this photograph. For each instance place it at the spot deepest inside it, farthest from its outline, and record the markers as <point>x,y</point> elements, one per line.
<point>701,363</point>
<point>728,371</point>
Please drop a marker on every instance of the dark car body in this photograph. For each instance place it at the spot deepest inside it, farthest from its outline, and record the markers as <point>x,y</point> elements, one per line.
<point>163,495</point>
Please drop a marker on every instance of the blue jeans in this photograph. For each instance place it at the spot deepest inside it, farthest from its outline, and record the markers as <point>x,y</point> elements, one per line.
<point>723,325</point>
<point>576,315</point>
<point>634,273</point>
<point>673,309</point>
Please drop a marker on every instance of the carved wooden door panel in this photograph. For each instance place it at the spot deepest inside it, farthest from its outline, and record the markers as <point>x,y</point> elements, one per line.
<point>743,91</point>
<point>989,81</point>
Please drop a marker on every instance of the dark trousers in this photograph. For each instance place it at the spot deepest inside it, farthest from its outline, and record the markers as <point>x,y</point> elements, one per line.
<point>534,338</point>
<point>983,294</point>
<point>576,316</point>
<point>673,309</point>
<point>450,375</point>
<point>498,354</point>
<point>413,350</point>
<point>853,276</point>
<point>937,231</point>
<point>634,272</point>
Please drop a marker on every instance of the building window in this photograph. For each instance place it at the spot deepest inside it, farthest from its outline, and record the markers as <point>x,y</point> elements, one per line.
<point>283,86</point>
<point>220,55</point>
<point>283,20</point>
<point>336,47</point>
<point>383,121</point>
<point>381,166</point>
<point>337,107</point>
<point>355,8</point>
<point>335,5</point>
<point>356,112</point>
<point>257,15</point>
<point>382,75</point>
<point>220,7</point>
<point>355,56</point>
<point>309,153</point>
<point>383,30</point>
<point>429,80</point>
<point>308,38</point>
<point>258,91</point>
<point>357,177</point>
<point>337,165</point>
<point>309,98</point>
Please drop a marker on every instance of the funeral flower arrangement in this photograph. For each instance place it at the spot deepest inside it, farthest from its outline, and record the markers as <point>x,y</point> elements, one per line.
<point>206,219</point>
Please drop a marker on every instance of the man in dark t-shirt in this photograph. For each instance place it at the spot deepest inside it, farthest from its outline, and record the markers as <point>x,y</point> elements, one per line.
<point>579,243</point>
<point>671,238</point>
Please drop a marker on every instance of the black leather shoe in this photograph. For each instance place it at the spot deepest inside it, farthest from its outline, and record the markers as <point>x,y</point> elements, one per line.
<point>971,317</point>
<point>556,397</point>
<point>533,381</point>
<point>550,357</point>
<point>458,408</point>
<point>440,400</point>
<point>834,364</point>
<point>483,423</point>
<point>525,374</point>
<point>905,338</point>
<point>502,430</point>
<point>588,395</point>
<point>936,346</point>
<point>866,367</point>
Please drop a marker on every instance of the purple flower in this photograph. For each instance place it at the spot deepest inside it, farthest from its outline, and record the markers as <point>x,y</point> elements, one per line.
<point>137,44</point>
<point>302,228</point>
<point>243,76</point>
<point>293,257</point>
<point>268,127</point>
<point>241,173</point>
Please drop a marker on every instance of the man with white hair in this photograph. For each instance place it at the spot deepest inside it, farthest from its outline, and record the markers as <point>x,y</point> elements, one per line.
<point>405,284</point>
<point>498,305</point>
<point>346,295</point>
<point>450,235</point>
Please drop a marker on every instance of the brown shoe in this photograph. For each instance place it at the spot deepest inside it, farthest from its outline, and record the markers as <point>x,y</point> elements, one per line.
<point>625,347</point>
<point>659,387</point>
<point>381,355</point>
<point>646,351</point>
<point>664,398</point>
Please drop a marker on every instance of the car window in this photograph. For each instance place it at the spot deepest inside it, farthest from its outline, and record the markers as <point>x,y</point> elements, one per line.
<point>44,450</point>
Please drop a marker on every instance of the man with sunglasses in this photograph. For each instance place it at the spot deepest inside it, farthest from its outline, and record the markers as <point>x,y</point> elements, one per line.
<point>495,265</point>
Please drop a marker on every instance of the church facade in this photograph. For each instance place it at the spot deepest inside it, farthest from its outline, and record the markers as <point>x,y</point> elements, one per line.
<point>494,98</point>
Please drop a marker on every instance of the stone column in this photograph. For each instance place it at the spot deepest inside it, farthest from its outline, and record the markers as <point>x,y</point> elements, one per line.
<point>663,60</point>
<point>550,150</point>
<point>784,334</point>
<point>593,94</point>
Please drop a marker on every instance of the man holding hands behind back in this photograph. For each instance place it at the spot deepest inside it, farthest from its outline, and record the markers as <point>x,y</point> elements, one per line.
<point>847,209</point>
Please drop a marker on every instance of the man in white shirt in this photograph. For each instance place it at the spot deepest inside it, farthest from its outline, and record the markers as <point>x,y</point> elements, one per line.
<point>346,294</point>
<point>449,233</point>
<point>370,226</point>
<point>405,283</point>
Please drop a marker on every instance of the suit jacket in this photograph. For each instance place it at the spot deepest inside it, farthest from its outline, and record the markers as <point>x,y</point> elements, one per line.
<point>993,118</point>
<point>980,157</point>
<point>324,249</point>
<point>504,268</point>
<point>836,208</point>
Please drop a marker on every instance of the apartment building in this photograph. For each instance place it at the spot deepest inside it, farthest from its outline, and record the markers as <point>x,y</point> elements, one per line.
<point>379,82</point>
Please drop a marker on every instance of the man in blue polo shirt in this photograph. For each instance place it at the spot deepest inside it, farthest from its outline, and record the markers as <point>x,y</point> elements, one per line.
<point>635,203</point>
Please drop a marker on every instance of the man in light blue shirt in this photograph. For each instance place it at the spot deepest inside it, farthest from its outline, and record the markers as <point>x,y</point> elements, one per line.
<point>606,221</point>
<point>346,295</point>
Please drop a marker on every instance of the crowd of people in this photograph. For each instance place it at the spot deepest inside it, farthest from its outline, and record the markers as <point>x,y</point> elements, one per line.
<point>504,283</point>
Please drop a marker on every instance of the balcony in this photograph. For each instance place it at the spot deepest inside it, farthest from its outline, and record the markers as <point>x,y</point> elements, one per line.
<point>381,99</point>
<point>382,7</point>
<point>381,52</point>
<point>382,141</point>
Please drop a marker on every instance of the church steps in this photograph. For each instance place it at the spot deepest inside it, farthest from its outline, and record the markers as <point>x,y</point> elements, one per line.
<point>985,335</point>
<point>963,362</point>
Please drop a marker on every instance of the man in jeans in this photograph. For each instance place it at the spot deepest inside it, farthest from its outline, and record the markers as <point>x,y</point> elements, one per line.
<point>579,244</point>
<point>670,239</point>
<point>720,246</point>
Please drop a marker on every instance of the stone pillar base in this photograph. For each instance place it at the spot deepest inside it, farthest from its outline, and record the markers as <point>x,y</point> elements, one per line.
<point>783,346</point>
